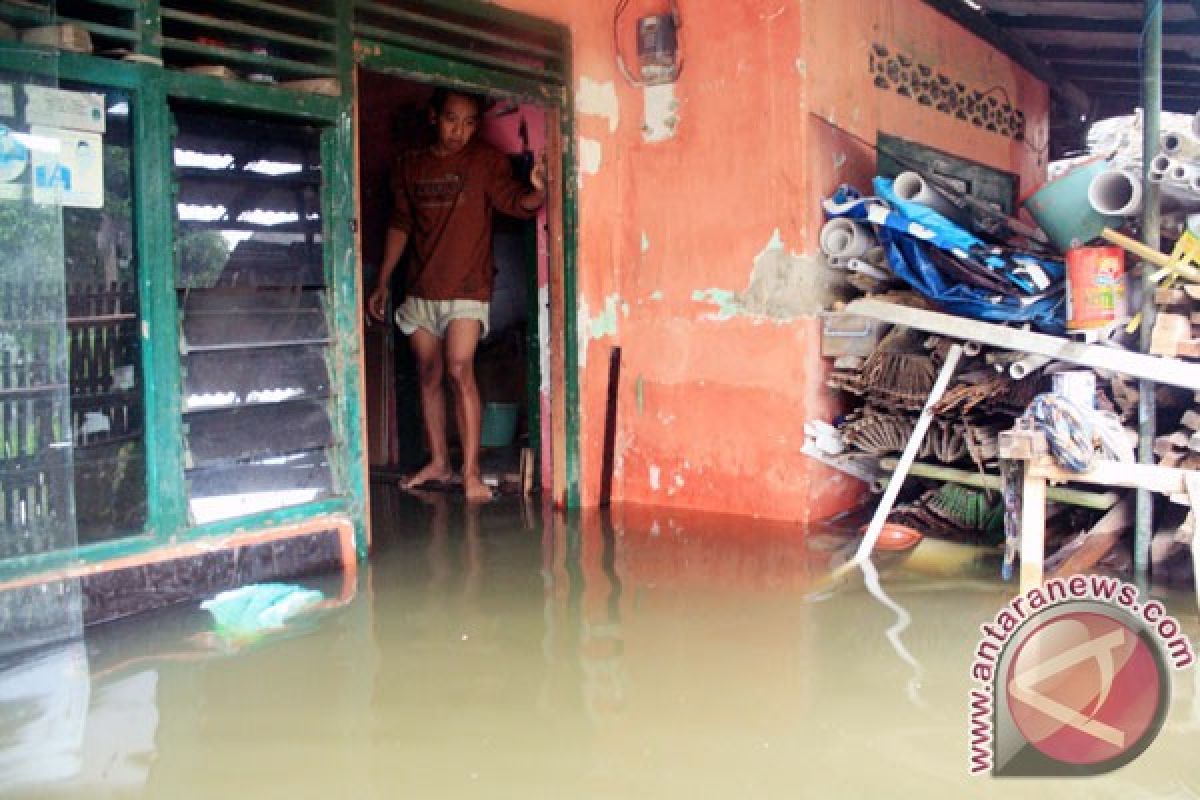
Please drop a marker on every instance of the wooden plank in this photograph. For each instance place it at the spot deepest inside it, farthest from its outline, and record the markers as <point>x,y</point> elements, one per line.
<point>1033,529</point>
<point>1164,480</point>
<point>556,336</point>
<point>255,31</point>
<point>1158,370</point>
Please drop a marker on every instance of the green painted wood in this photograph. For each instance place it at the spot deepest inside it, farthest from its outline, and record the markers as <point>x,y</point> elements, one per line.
<point>219,55</point>
<point>463,54</point>
<point>492,15</point>
<point>342,168</point>
<point>227,25</point>
<point>97,554</point>
<point>341,260</point>
<point>106,31</point>
<point>252,96</point>
<point>266,519</point>
<point>126,5</point>
<point>149,22</point>
<point>570,224</point>
<point>154,230</point>
<point>71,66</point>
<point>282,11</point>
<point>425,67</point>
<point>406,16</point>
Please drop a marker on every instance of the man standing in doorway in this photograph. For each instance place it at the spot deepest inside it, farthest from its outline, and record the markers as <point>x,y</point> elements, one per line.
<point>444,198</point>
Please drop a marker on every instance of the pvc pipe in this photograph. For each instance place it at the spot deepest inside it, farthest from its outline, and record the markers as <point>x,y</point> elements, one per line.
<point>846,238</point>
<point>906,458</point>
<point>1019,370</point>
<point>1117,192</point>
<point>1181,146</point>
<point>972,349</point>
<point>1162,163</point>
<point>912,187</point>
<point>1182,173</point>
<point>863,268</point>
<point>1100,501</point>
<point>1154,176</point>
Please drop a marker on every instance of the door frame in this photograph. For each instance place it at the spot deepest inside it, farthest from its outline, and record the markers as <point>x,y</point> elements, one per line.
<point>561,217</point>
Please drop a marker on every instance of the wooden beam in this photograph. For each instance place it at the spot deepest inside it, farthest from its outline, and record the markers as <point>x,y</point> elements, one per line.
<point>1083,10</point>
<point>1159,370</point>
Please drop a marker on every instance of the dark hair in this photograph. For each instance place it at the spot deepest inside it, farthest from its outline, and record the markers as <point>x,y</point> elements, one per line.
<point>442,94</point>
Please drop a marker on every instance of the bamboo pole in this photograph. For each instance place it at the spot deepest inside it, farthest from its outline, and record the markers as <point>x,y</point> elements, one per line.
<point>1098,501</point>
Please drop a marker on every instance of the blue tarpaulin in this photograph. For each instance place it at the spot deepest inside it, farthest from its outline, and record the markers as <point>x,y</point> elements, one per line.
<point>967,276</point>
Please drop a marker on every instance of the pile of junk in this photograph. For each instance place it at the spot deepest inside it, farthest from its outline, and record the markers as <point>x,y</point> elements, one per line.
<point>962,322</point>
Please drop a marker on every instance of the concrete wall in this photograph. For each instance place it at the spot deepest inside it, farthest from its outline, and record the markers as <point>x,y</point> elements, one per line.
<point>698,217</point>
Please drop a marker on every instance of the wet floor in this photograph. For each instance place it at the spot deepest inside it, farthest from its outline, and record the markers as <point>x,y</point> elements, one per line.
<point>512,653</point>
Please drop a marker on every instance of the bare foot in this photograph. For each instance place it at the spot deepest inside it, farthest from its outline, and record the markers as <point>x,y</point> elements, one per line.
<point>476,490</point>
<point>428,473</point>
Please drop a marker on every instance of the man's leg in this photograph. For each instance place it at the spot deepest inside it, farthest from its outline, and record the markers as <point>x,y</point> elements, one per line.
<point>428,350</point>
<point>462,336</point>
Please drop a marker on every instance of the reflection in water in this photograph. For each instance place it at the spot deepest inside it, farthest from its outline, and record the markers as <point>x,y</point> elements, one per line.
<point>60,735</point>
<point>511,651</point>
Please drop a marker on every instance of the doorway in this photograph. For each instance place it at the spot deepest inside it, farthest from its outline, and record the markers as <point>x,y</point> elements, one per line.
<point>393,117</point>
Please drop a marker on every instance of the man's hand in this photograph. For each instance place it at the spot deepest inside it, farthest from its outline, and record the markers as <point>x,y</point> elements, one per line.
<point>537,176</point>
<point>377,303</point>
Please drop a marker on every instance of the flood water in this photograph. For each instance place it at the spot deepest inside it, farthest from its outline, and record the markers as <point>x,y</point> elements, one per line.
<point>512,653</point>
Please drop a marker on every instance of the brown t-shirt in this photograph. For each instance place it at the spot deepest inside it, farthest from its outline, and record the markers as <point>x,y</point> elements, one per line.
<point>445,205</point>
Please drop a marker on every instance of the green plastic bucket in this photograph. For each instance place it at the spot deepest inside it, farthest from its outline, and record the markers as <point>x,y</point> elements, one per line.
<point>1062,209</point>
<point>499,424</point>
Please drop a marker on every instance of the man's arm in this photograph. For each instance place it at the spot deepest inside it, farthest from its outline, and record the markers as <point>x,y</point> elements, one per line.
<point>397,240</point>
<point>508,196</point>
<point>534,200</point>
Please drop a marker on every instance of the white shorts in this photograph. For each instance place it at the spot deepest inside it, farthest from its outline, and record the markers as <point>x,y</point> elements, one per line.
<point>435,315</point>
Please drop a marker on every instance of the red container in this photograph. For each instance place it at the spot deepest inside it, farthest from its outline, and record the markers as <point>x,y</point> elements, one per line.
<point>1095,286</point>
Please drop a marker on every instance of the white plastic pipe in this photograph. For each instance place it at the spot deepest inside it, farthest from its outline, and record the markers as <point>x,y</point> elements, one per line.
<point>875,528</point>
<point>912,187</point>
<point>1180,146</point>
<point>846,238</point>
<point>1154,176</point>
<point>1018,370</point>
<point>1162,163</point>
<point>1182,173</point>
<point>1116,192</point>
<point>871,271</point>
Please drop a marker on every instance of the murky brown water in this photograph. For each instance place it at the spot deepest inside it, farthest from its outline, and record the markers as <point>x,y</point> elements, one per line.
<point>653,654</point>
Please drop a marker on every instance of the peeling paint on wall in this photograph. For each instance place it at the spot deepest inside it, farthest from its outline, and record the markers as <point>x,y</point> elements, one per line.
<point>784,285</point>
<point>655,478</point>
<point>725,301</point>
<point>656,294</point>
<point>591,154</point>
<point>640,392</point>
<point>645,243</point>
<point>598,98</point>
<point>597,327</point>
<point>661,113</point>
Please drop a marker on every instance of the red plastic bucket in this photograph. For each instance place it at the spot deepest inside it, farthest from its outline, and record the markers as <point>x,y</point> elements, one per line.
<point>1095,286</point>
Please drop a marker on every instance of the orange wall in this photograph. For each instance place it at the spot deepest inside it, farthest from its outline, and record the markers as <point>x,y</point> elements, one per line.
<point>717,381</point>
